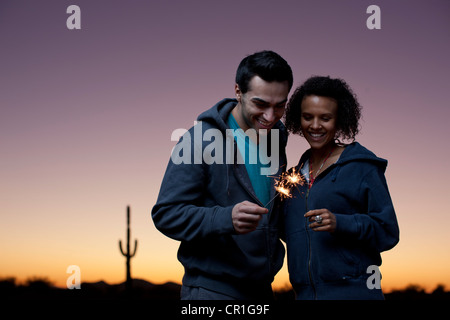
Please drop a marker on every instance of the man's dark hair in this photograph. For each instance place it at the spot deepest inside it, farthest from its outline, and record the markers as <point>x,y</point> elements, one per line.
<point>349,109</point>
<point>267,65</point>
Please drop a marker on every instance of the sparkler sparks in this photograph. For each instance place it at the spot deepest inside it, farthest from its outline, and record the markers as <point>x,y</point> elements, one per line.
<point>283,191</point>
<point>287,181</point>
<point>294,178</point>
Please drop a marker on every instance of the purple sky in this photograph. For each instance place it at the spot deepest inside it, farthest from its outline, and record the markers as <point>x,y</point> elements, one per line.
<point>86,118</point>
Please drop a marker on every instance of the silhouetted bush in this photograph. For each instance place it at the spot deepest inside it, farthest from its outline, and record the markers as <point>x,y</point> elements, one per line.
<point>39,288</point>
<point>416,292</point>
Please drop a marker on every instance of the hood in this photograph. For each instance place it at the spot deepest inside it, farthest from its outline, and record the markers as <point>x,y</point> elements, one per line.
<point>356,152</point>
<point>218,114</point>
<point>353,152</point>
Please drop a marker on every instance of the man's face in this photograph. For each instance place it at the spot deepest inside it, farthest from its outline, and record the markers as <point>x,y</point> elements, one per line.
<point>262,105</point>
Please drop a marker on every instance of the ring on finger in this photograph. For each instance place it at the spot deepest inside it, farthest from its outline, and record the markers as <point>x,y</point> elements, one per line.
<point>318,219</point>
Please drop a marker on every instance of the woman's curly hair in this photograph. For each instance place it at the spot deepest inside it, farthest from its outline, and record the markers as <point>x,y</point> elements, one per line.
<point>349,110</point>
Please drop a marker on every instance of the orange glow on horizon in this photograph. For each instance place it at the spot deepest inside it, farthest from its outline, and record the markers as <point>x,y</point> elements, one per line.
<point>392,279</point>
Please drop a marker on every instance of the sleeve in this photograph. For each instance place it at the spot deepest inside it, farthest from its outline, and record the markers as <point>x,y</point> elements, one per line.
<point>377,226</point>
<point>178,212</point>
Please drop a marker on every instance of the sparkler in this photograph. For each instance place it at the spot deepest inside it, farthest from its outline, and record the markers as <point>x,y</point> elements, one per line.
<point>287,181</point>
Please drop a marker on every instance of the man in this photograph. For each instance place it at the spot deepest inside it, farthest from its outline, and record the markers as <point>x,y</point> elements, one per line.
<point>223,211</point>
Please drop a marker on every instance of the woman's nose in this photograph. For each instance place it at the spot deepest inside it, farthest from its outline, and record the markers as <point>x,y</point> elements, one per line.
<point>315,124</point>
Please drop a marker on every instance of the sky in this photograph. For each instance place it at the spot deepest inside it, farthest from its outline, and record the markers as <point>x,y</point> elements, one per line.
<point>86,117</point>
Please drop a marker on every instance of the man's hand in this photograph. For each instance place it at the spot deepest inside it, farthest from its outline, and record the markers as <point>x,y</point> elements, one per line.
<point>246,216</point>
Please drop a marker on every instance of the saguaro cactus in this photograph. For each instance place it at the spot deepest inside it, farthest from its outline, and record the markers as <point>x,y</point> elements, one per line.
<point>128,253</point>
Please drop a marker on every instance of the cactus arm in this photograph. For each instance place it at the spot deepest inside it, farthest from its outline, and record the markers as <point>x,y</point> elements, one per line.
<point>120,247</point>
<point>135,248</point>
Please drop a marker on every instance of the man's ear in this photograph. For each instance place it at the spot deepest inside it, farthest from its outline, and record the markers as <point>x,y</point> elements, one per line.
<point>238,92</point>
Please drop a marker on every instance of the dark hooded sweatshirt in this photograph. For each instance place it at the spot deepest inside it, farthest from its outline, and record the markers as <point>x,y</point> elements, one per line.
<point>194,206</point>
<point>325,265</point>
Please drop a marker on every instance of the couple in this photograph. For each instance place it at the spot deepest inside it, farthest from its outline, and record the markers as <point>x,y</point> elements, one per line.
<point>230,220</point>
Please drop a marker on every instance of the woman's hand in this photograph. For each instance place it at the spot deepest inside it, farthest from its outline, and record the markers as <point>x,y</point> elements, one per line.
<point>322,220</point>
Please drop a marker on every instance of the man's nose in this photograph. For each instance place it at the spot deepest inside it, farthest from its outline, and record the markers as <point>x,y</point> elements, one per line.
<point>269,115</point>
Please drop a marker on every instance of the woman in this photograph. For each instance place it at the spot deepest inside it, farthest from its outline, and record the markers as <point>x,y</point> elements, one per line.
<point>340,220</point>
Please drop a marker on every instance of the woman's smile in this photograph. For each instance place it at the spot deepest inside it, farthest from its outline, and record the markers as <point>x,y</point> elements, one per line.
<point>316,136</point>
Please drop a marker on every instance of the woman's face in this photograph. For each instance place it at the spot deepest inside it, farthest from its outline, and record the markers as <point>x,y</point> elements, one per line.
<point>318,120</point>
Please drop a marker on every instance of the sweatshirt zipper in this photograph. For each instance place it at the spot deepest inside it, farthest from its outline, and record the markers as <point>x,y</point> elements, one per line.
<point>308,234</point>
<point>310,248</point>
<point>267,234</point>
<point>245,187</point>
